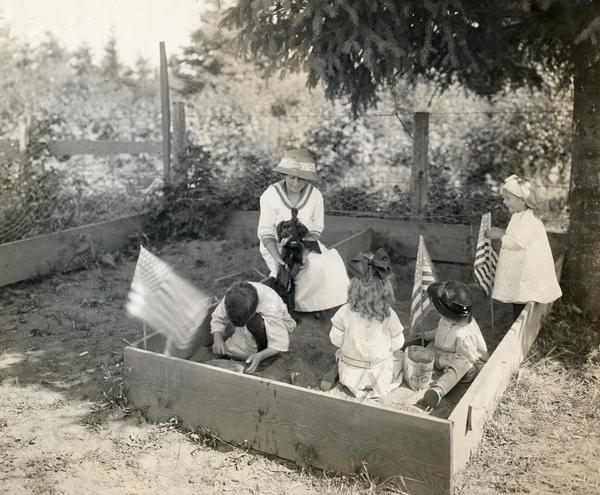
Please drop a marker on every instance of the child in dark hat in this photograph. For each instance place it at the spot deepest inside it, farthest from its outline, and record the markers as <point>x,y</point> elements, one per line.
<point>458,345</point>
<point>262,324</point>
<point>367,330</point>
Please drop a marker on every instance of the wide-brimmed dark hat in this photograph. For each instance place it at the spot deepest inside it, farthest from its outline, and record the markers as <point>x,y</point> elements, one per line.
<point>453,300</point>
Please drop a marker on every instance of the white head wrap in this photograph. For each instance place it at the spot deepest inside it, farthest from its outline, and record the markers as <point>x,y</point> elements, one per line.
<point>521,188</point>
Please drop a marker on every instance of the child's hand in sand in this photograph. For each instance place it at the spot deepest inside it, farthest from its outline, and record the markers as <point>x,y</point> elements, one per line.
<point>218,346</point>
<point>252,363</point>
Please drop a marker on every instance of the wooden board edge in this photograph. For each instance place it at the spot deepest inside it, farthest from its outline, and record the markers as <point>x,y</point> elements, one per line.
<point>478,404</point>
<point>90,147</point>
<point>37,256</point>
<point>459,250</point>
<point>154,379</point>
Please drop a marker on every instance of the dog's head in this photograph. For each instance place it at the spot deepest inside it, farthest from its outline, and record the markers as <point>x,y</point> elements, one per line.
<point>292,229</point>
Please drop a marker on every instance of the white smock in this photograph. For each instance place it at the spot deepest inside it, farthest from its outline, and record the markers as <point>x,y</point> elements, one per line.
<point>323,282</point>
<point>525,270</point>
<point>366,363</point>
<point>278,324</point>
<point>457,340</point>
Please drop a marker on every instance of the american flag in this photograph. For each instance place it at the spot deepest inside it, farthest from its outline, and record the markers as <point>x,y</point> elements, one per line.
<point>165,301</point>
<point>486,258</point>
<point>424,277</point>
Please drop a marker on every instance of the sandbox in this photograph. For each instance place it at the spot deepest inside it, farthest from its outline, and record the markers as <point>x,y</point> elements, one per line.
<point>390,438</point>
<point>327,430</point>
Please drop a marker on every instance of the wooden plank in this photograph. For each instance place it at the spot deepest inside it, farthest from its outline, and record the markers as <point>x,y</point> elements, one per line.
<point>306,426</point>
<point>165,113</point>
<point>27,258</point>
<point>479,402</point>
<point>9,149</point>
<point>419,177</point>
<point>89,147</point>
<point>445,242</point>
<point>355,244</point>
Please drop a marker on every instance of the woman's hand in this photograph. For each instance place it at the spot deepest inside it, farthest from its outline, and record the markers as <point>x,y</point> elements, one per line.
<point>494,233</point>
<point>274,252</point>
<point>218,346</point>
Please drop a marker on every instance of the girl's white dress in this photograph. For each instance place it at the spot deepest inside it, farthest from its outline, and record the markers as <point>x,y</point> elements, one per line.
<point>366,362</point>
<point>525,270</point>
<point>323,282</point>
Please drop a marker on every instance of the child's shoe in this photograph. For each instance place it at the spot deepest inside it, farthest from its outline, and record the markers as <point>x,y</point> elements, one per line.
<point>432,397</point>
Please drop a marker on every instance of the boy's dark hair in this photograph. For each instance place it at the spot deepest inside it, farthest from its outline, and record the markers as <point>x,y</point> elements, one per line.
<point>241,301</point>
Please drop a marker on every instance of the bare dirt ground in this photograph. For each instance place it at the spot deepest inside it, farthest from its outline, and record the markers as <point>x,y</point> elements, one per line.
<point>65,426</point>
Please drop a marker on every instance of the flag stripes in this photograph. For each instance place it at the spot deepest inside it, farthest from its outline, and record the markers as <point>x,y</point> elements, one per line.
<point>486,259</point>
<point>424,277</point>
<point>165,301</point>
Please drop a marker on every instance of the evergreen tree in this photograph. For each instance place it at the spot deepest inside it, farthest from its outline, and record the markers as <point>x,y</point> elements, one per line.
<point>357,47</point>
<point>110,67</point>
<point>81,61</point>
<point>142,69</point>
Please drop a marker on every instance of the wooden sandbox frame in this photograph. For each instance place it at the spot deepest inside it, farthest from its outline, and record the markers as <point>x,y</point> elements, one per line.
<point>313,428</point>
<point>306,426</point>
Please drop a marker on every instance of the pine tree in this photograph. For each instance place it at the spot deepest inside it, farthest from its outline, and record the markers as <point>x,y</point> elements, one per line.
<point>81,61</point>
<point>355,48</point>
<point>110,67</point>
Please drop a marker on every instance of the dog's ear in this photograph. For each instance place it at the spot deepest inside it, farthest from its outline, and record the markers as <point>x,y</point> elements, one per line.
<point>312,246</point>
<point>279,229</point>
<point>302,230</point>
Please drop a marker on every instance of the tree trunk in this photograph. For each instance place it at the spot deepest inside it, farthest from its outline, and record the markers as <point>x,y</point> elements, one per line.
<point>582,270</point>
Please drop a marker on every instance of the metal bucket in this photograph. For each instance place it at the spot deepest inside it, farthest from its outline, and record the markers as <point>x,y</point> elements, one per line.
<point>418,367</point>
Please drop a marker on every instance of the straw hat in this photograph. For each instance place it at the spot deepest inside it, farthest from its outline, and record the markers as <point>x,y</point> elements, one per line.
<point>453,300</point>
<point>299,163</point>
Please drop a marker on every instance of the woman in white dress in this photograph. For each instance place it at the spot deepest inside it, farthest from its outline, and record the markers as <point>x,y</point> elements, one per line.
<point>322,282</point>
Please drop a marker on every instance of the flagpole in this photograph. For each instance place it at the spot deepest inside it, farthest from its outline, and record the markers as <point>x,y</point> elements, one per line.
<point>421,302</point>
<point>145,338</point>
<point>492,313</point>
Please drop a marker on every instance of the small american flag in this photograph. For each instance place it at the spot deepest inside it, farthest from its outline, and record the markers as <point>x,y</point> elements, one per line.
<point>165,301</point>
<point>486,258</point>
<point>424,277</point>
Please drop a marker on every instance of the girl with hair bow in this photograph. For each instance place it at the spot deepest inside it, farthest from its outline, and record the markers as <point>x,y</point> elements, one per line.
<point>525,270</point>
<point>367,330</point>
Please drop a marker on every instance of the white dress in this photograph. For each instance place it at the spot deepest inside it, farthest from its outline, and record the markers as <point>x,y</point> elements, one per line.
<point>323,282</point>
<point>366,362</point>
<point>525,270</point>
<point>278,324</point>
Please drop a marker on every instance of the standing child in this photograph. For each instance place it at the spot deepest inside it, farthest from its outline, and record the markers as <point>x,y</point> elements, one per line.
<point>262,324</point>
<point>367,330</point>
<point>459,347</point>
<point>525,270</point>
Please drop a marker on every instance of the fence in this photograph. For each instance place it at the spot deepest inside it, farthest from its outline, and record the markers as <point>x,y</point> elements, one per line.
<point>395,164</point>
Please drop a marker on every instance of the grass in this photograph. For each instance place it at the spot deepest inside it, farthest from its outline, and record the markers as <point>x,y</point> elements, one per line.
<point>543,437</point>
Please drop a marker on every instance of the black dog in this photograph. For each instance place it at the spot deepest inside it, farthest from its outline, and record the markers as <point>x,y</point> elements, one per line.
<point>292,233</point>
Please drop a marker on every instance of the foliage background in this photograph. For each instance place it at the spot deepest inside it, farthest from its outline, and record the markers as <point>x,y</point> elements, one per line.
<point>238,125</point>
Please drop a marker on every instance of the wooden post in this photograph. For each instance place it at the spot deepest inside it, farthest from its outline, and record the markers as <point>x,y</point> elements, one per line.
<point>179,142</point>
<point>24,141</point>
<point>420,167</point>
<point>165,113</point>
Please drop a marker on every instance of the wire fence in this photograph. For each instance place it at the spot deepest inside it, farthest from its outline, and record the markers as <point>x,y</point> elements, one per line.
<point>364,165</point>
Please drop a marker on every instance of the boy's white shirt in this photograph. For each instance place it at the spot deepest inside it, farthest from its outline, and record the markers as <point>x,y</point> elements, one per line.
<point>278,322</point>
<point>463,339</point>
